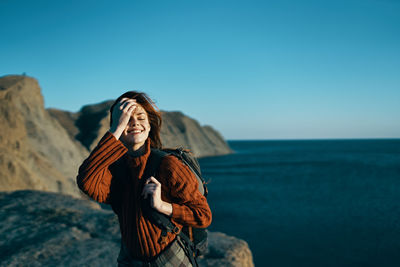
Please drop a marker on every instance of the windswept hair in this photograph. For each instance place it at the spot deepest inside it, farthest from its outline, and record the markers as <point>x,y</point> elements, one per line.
<point>153,114</point>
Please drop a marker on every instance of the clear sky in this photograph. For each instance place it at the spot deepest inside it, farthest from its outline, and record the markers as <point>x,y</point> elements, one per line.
<point>282,69</point>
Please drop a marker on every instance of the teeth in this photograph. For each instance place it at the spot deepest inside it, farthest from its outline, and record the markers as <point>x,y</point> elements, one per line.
<point>135,131</point>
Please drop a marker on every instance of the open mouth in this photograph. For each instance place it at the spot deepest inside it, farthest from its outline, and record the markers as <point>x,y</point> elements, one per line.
<point>135,131</point>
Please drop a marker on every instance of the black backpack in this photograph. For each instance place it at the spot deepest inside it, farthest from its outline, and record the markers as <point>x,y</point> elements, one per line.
<point>195,239</point>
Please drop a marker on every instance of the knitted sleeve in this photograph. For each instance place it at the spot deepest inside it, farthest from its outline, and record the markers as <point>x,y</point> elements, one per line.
<point>189,206</point>
<point>94,177</point>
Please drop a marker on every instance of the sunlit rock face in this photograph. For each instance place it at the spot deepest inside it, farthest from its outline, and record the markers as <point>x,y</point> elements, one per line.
<point>42,149</point>
<point>35,150</point>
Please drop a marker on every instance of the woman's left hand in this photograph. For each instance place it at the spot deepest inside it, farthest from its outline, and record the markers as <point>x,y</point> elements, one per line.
<point>152,189</point>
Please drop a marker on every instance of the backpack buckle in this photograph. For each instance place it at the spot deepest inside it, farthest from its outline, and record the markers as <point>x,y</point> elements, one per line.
<point>163,237</point>
<point>163,240</point>
<point>176,230</point>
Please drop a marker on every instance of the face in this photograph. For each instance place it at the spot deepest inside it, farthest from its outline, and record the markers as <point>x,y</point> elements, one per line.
<point>137,130</point>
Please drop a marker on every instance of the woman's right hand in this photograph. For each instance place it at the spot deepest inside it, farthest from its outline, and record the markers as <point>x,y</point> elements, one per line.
<point>121,115</point>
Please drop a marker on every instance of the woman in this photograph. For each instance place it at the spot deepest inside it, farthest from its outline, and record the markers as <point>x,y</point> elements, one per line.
<point>114,174</point>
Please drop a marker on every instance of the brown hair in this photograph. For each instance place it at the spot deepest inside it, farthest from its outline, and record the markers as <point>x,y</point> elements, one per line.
<point>153,114</point>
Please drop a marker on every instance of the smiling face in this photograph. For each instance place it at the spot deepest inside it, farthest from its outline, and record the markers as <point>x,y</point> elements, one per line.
<point>137,130</point>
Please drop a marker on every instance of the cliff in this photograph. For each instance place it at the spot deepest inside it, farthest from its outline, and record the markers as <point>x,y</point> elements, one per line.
<point>92,121</point>
<point>180,130</point>
<point>47,229</point>
<point>35,151</point>
<point>42,149</point>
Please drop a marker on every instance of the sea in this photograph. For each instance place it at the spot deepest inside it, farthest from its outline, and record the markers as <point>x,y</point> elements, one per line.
<point>309,202</point>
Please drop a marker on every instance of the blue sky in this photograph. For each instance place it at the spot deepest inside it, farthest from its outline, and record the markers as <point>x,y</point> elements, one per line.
<point>281,69</point>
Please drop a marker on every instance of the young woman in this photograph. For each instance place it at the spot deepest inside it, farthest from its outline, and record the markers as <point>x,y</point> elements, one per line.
<point>114,174</point>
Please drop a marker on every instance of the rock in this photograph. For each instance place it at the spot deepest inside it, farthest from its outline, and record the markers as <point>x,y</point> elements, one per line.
<point>180,130</point>
<point>92,121</point>
<point>227,251</point>
<point>35,151</point>
<point>67,120</point>
<point>42,149</point>
<point>86,126</point>
<point>49,229</point>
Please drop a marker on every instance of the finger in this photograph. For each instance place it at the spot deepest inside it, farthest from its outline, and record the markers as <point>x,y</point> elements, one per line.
<point>154,180</point>
<point>149,194</point>
<point>130,106</point>
<point>128,100</point>
<point>145,190</point>
<point>125,101</point>
<point>152,188</point>
<point>122,105</point>
<point>149,189</point>
<point>146,193</point>
<point>122,102</point>
<point>126,106</point>
<point>148,181</point>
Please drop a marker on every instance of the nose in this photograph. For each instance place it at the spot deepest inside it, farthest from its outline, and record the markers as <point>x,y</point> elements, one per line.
<point>133,122</point>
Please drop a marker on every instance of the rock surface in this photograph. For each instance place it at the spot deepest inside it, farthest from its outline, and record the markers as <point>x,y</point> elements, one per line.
<point>180,130</point>
<point>92,121</point>
<point>227,250</point>
<point>35,151</point>
<point>48,229</point>
<point>42,149</point>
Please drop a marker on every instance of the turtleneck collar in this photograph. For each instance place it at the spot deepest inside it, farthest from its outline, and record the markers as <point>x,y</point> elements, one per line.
<point>142,159</point>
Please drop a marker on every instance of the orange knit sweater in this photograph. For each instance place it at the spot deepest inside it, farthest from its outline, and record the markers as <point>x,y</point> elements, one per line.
<point>109,175</point>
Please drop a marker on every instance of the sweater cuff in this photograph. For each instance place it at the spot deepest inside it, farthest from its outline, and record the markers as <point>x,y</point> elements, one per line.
<point>178,212</point>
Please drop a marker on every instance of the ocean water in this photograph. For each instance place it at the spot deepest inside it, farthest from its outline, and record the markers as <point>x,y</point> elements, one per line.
<point>310,203</point>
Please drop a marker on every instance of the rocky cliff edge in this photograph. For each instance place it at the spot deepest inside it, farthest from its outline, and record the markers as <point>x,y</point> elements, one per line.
<point>49,229</point>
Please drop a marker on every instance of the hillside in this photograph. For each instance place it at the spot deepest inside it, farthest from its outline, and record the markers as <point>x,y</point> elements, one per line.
<point>42,149</point>
<point>92,121</point>
<point>35,150</point>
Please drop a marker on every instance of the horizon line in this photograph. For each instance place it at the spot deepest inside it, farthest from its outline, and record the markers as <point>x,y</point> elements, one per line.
<point>319,139</point>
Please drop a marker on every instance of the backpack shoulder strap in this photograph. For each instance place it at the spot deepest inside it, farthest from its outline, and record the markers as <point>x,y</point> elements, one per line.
<point>152,167</point>
<point>153,162</point>
<point>188,159</point>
